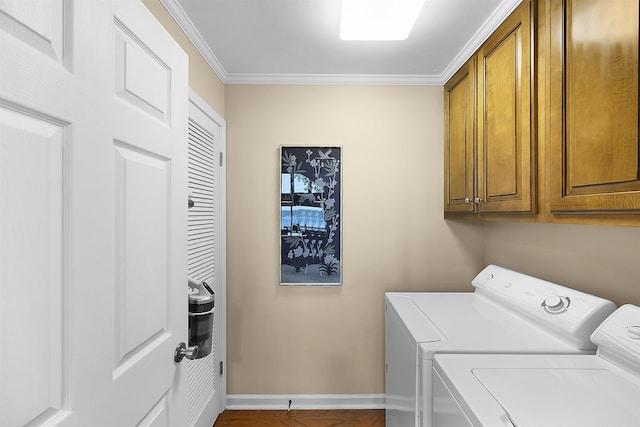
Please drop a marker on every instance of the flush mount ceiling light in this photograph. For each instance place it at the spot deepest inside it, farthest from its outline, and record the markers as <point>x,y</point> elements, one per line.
<point>378,19</point>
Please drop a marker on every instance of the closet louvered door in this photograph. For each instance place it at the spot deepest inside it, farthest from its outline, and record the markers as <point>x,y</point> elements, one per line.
<point>202,247</point>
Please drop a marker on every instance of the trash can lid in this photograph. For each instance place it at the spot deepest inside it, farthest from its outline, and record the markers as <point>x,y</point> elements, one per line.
<point>196,298</point>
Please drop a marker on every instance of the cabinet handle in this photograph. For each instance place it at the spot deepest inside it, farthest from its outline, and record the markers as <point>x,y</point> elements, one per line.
<point>467,200</point>
<point>478,200</point>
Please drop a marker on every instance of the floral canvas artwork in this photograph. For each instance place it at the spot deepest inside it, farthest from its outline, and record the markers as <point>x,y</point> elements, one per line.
<point>310,216</point>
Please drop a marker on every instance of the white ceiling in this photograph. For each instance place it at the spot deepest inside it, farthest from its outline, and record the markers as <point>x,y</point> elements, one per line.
<point>297,41</point>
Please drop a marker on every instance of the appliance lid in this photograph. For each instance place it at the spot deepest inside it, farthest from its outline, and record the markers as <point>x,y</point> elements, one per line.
<point>417,322</point>
<point>472,323</point>
<point>556,397</point>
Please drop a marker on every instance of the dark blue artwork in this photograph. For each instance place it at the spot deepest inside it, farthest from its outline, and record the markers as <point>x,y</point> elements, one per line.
<point>310,216</point>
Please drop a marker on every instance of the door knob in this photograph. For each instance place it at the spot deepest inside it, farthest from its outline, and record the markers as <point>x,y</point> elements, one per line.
<point>183,351</point>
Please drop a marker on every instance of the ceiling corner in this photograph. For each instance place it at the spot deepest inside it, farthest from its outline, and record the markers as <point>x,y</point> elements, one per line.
<point>178,14</point>
<point>483,33</point>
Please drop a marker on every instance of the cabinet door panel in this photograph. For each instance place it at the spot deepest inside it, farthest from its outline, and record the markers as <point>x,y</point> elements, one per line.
<point>594,140</point>
<point>459,140</point>
<point>502,152</point>
<point>505,147</point>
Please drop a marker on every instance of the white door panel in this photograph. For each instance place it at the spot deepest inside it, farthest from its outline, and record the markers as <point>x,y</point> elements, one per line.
<point>141,242</point>
<point>31,268</point>
<point>141,77</point>
<point>37,120</point>
<point>93,113</point>
<point>41,25</point>
<point>149,145</point>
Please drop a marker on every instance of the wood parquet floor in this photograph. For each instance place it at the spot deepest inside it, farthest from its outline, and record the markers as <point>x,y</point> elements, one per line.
<point>303,418</point>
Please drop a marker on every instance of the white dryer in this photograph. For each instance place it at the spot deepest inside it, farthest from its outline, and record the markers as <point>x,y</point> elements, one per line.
<point>508,312</point>
<point>546,390</point>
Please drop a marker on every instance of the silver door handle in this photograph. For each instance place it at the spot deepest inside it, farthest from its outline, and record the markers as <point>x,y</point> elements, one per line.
<point>183,351</point>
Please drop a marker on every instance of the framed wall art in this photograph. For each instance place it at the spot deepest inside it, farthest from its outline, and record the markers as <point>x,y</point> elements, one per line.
<point>310,215</point>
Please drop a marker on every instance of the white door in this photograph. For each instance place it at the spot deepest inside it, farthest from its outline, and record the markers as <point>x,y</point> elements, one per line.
<point>206,388</point>
<point>93,195</point>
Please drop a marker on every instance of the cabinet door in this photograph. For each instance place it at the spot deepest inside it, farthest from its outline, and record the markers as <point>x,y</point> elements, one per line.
<point>506,160</point>
<point>459,140</point>
<point>594,76</point>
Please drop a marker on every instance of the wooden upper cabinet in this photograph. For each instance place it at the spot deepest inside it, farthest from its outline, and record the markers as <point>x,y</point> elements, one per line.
<point>506,150</point>
<point>459,140</point>
<point>593,97</point>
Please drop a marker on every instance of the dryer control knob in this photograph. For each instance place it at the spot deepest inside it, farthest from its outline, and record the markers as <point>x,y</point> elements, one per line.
<point>554,304</point>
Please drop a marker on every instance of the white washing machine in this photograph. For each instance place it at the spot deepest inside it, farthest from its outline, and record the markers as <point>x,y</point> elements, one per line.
<point>546,390</point>
<point>508,312</point>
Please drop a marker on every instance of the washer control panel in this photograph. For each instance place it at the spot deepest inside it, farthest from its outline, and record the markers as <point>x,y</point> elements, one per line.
<point>620,334</point>
<point>568,313</point>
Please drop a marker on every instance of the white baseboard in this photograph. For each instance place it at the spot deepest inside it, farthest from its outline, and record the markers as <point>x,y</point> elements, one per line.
<point>305,401</point>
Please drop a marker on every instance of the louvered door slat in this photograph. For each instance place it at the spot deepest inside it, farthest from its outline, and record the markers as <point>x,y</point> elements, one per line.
<point>201,250</point>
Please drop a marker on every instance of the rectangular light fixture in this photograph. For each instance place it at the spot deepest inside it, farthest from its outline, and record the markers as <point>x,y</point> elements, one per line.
<point>378,19</point>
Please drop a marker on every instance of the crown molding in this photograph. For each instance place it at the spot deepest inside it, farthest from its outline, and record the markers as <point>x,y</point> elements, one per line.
<point>184,22</point>
<point>483,33</point>
<point>334,79</point>
<point>178,14</point>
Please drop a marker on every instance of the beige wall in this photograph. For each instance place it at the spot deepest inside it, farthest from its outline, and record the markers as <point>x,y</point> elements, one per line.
<point>327,339</point>
<point>331,340</point>
<point>202,79</point>
<point>604,261</point>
